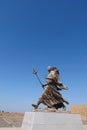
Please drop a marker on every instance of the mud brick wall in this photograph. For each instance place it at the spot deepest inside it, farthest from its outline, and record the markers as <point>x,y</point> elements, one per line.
<point>81,109</point>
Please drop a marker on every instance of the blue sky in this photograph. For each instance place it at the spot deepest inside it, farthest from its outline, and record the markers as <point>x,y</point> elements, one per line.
<point>35,33</point>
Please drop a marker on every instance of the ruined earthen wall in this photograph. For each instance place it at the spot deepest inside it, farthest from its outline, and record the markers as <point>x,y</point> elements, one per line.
<point>81,109</point>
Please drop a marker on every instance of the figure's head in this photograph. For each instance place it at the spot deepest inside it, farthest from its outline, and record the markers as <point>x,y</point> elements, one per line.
<point>52,68</point>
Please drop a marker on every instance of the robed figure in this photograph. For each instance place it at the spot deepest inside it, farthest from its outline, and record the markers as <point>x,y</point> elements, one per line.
<point>51,96</point>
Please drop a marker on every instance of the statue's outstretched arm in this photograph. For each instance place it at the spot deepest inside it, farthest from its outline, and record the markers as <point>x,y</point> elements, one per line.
<point>61,85</point>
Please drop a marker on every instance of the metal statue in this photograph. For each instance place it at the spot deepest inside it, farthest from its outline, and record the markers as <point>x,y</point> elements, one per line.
<point>51,97</point>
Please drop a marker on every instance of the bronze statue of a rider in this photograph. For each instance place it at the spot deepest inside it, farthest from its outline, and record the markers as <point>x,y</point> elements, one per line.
<point>51,96</point>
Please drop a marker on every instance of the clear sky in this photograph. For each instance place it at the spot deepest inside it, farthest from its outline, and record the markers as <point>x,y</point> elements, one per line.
<point>41,33</point>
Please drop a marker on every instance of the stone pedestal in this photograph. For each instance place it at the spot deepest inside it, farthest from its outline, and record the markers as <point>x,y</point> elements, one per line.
<point>51,121</point>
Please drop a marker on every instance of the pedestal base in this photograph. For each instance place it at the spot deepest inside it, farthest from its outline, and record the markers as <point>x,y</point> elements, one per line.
<point>51,121</point>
